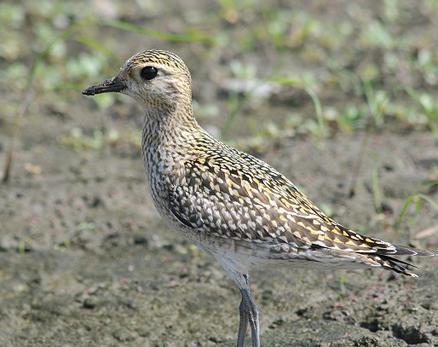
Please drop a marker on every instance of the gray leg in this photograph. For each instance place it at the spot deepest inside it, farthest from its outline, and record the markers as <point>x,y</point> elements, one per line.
<point>248,314</point>
<point>248,310</point>
<point>243,324</point>
<point>253,316</point>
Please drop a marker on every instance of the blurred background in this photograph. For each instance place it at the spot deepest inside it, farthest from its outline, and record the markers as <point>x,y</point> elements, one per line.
<point>341,96</point>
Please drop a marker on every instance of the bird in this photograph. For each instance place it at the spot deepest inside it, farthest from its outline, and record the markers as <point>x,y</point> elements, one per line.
<point>229,203</point>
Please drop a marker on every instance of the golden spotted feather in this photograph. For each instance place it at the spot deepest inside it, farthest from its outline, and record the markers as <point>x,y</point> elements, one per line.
<point>227,193</point>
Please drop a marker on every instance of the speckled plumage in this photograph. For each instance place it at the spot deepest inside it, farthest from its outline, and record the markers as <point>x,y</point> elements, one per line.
<point>216,190</point>
<point>232,204</point>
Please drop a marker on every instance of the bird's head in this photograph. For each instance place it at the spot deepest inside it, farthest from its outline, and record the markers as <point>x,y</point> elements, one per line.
<point>157,79</point>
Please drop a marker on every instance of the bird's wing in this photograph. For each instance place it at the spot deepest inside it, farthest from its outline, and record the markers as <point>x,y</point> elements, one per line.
<point>232,194</point>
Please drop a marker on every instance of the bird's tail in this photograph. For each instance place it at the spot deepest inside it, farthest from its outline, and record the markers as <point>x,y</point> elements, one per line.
<point>389,262</point>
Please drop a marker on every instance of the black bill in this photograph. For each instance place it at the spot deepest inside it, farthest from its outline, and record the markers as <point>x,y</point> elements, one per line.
<point>115,84</point>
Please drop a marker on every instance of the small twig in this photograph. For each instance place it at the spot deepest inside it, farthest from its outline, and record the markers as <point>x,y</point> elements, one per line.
<point>27,99</point>
<point>22,110</point>
<point>377,193</point>
<point>358,163</point>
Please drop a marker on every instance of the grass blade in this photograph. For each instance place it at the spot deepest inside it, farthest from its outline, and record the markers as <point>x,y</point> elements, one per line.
<point>189,36</point>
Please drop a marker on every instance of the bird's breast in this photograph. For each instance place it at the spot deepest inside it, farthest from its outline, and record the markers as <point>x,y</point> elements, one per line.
<point>163,167</point>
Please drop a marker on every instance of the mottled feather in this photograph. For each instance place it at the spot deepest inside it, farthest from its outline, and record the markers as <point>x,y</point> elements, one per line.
<point>231,194</point>
<point>215,191</point>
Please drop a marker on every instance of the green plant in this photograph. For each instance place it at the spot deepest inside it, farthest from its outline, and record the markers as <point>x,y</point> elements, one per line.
<point>376,101</point>
<point>322,130</point>
<point>417,200</point>
<point>428,106</point>
<point>377,192</point>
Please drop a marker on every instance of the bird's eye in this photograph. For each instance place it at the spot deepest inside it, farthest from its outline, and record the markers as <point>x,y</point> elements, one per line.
<point>148,72</point>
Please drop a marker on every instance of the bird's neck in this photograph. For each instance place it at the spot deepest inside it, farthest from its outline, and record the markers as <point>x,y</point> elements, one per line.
<point>168,122</point>
<point>169,132</point>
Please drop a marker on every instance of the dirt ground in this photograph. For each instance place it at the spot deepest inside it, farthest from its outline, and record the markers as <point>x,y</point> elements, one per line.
<point>86,261</point>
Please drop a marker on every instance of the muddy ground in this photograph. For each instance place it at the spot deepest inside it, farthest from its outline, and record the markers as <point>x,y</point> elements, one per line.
<point>85,260</point>
<point>84,257</point>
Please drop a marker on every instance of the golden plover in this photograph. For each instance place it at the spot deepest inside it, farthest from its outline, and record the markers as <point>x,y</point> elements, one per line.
<point>231,204</point>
